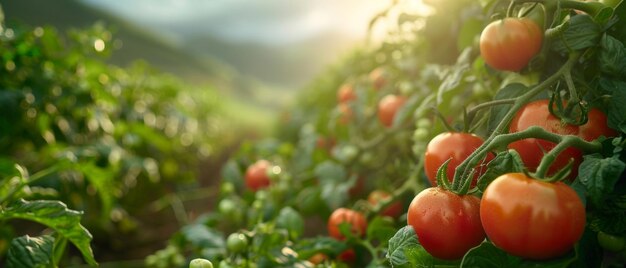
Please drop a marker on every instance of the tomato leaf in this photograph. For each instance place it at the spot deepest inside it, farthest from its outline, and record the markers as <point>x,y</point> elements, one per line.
<point>617,106</point>
<point>324,244</point>
<point>290,220</point>
<point>487,255</point>
<point>381,229</point>
<point>231,173</point>
<point>403,241</point>
<point>498,112</point>
<point>504,162</point>
<point>581,33</point>
<point>57,216</point>
<point>612,59</point>
<point>28,252</point>
<point>599,175</point>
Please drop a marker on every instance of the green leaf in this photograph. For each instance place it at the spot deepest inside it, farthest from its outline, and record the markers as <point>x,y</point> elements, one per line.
<point>290,220</point>
<point>29,252</point>
<point>231,173</point>
<point>581,33</point>
<point>470,30</point>
<point>406,110</point>
<point>599,175</point>
<point>102,181</point>
<point>381,229</point>
<point>504,162</point>
<point>617,106</point>
<point>487,255</point>
<point>612,59</point>
<point>201,236</point>
<point>330,171</point>
<point>57,216</point>
<point>324,244</point>
<point>402,242</point>
<point>498,112</point>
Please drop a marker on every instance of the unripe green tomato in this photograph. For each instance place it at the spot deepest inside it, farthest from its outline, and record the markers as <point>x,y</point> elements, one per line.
<point>236,242</point>
<point>227,188</point>
<point>227,207</point>
<point>200,263</point>
<point>420,134</point>
<point>348,153</point>
<point>224,264</point>
<point>367,159</point>
<point>424,123</point>
<point>610,242</point>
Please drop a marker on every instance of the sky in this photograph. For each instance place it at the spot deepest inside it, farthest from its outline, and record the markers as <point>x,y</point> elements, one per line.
<point>266,21</point>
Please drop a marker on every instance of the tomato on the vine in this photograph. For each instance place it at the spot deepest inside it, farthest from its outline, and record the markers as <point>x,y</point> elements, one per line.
<point>456,146</point>
<point>392,210</point>
<point>347,256</point>
<point>530,218</point>
<point>388,107</point>
<point>356,220</point>
<point>346,93</point>
<point>532,150</point>
<point>236,242</point>
<point>447,225</point>
<point>318,258</point>
<point>345,113</point>
<point>256,175</point>
<point>509,44</point>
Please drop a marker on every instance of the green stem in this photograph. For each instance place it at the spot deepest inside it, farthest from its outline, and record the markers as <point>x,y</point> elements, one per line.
<point>31,179</point>
<point>489,144</point>
<point>564,143</point>
<point>60,243</point>
<point>471,114</point>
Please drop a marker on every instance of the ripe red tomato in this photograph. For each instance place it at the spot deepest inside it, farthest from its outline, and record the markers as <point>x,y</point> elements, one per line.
<point>392,210</point>
<point>511,43</point>
<point>347,256</point>
<point>356,220</point>
<point>345,93</point>
<point>256,175</point>
<point>447,225</point>
<point>532,150</point>
<point>456,146</point>
<point>318,258</point>
<point>388,107</point>
<point>530,218</point>
<point>377,78</point>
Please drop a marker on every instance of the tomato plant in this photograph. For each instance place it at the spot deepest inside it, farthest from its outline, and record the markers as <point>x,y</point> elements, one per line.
<point>447,225</point>
<point>453,146</point>
<point>377,78</point>
<point>509,44</point>
<point>530,218</point>
<point>532,150</point>
<point>257,175</point>
<point>356,222</point>
<point>392,210</point>
<point>388,107</point>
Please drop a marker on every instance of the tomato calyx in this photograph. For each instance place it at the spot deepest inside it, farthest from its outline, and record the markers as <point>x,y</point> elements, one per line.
<point>464,181</point>
<point>573,113</point>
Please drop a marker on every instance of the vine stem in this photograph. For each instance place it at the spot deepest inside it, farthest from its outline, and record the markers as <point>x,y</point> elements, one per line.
<point>565,142</point>
<point>30,179</point>
<point>491,142</point>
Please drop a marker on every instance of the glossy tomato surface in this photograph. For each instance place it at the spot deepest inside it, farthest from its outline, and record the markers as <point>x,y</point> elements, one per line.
<point>509,44</point>
<point>356,220</point>
<point>388,107</point>
<point>447,225</point>
<point>532,150</point>
<point>455,146</point>
<point>256,175</point>
<point>530,218</point>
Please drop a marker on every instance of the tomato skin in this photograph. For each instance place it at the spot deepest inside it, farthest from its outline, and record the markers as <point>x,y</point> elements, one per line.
<point>256,175</point>
<point>532,150</point>
<point>447,225</point>
<point>388,107</point>
<point>393,210</point>
<point>236,242</point>
<point>347,256</point>
<point>345,113</point>
<point>318,258</point>
<point>530,218</point>
<point>509,44</point>
<point>357,222</point>
<point>456,146</point>
<point>346,93</point>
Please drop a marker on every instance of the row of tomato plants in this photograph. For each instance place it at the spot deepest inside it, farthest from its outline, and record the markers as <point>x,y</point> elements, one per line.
<point>545,88</point>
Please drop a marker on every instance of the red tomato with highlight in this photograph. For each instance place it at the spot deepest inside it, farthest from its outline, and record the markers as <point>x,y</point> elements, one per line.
<point>532,150</point>
<point>530,218</point>
<point>388,107</point>
<point>509,44</point>
<point>256,175</point>
<point>346,93</point>
<point>447,225</point>
<point>356,220</point>
<point>392,210</point>
<point>456,146</point>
